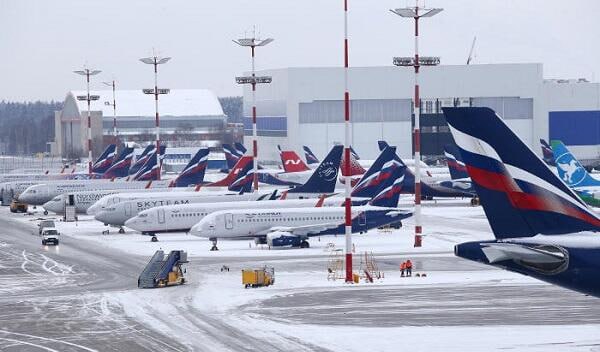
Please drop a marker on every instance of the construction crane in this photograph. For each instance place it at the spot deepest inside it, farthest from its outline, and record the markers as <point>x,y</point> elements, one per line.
<point>470,58</point>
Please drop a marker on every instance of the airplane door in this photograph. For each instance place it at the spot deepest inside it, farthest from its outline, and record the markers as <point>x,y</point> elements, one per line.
<point>228,221</point>
<point>128,209</point>
<point>161,216</point>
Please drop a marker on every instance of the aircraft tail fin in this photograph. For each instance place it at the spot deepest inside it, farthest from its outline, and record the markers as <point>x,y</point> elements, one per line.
<point>457,167</point>
<point>232,175</point>
<point>105,160</point>
<point>547,153</point>
<point>239,147</point>
<point>311,158</point>
<point>380,171</point>
<point>355,167</point>
<point>141,160</point>
<point>569,168</point>
<point>382,145</point>
<point>324,177</point>
<point>520,195</point>
<point>121,165</point>
<point>150,169</point>
<point>193,173</point>
<point>231,155</point>
<point>389,192</point>
<point>244,179</point>
<point>292,162</point>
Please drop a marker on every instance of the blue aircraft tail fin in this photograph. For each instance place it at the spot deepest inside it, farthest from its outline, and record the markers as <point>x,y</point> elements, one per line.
<point>520,195</point>
<point>243,180</point>
<point>324,177</point>
<point>105,160</point>
<point>121,165</point>
<point>381,170</point>
<point>239,147</point>
<point>193,173</point>
<point>231,155</point>
<point>354,153</point>
<point>457,167</point>
<point>150,170</point>
<point>311,158</point>
<point>389,193</point>
<point>569,168</point>
<point>141,160</point>
<point>547,153</point>
<point>382,145</point>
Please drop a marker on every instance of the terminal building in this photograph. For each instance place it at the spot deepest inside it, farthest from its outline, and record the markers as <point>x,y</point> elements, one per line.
<point>304,106</point>
<point>188,118</point>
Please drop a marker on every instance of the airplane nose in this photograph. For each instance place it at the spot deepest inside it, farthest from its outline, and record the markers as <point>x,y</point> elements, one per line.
<point>101,216</point>
<point>134,224</point>
<point>52,206</point>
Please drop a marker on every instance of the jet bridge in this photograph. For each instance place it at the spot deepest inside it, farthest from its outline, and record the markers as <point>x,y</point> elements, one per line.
<point>163,271</point>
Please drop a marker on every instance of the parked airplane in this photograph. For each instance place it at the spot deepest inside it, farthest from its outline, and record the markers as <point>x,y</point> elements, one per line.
<point>193,173</point>
<point>232,155</point>
<point>293,226</point>
<point>175,218</point>
<point>575,175</point>
<point>542,228</point>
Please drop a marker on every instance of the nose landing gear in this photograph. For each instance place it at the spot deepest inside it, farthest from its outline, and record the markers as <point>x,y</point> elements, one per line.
<point>214,244</point>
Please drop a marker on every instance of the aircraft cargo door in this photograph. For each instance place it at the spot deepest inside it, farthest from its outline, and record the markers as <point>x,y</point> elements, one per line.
<point>228,221</point>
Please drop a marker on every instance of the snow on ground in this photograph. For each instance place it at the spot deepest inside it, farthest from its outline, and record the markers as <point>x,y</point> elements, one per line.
<point>214,306</point>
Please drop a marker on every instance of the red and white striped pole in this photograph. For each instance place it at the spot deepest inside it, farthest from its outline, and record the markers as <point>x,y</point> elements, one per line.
<point>89,122</point>
<point>254,130</point>
<point>157,122</point>
<point>347,177</point>
<point>417,137</point>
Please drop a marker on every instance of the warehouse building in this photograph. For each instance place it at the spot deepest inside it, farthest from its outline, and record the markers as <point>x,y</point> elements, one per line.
<point>188,118</point>
<point>304,106</point>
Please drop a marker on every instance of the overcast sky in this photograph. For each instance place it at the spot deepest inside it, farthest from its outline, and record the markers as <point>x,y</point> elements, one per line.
<point>42,41</point>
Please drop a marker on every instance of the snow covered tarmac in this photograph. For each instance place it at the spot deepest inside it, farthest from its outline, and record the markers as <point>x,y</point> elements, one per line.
<point>459,306</point>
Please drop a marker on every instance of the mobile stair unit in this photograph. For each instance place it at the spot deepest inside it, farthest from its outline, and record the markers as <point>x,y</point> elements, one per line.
<point>161,271</point>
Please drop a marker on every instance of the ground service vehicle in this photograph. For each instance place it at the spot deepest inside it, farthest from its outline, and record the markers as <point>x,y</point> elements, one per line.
<point>18,207</point>
<point>50,236</point>
<point>264,276</point>
<point>45,224</point>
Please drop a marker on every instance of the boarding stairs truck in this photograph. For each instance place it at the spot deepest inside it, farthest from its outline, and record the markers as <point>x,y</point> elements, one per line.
<point>164,271</point>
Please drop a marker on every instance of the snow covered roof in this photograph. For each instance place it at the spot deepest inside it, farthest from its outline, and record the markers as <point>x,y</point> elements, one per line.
<point>179,102</point>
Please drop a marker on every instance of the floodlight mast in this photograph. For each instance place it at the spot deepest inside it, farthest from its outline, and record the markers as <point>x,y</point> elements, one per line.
<point>155,61</point>
<point>416,62</point>
<point>87,73</point>
<point>114,106</point>
<point>253,80</point>
<point>347,177</point>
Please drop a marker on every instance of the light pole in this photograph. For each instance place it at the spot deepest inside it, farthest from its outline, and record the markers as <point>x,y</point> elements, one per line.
<point>156,60</point>
<point>347,177</point>
<point>87,73</point>
<point>114,106</point>
<point>416,62</point>
<point>253,80</point>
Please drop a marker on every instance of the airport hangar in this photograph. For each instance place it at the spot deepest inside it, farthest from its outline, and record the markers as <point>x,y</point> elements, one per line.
<point>304,106</point>
<point>189,118</point>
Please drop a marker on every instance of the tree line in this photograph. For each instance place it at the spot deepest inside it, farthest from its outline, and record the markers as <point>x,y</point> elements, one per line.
<point>25,127</point>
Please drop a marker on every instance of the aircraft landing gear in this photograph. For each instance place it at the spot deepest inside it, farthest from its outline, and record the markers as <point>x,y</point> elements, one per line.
<point>121,230</point>
<point>154,238</point>
<point>214,244</point>
<point>304,244</point>
<point>45,212</point>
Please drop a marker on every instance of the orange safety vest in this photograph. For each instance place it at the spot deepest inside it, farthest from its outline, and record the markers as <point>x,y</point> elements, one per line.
<point>409,264</point>
<point>402,266</point>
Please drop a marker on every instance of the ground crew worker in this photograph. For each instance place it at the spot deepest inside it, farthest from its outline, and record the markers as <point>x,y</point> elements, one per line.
<point>408,268</point>
<point>402,268</point>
